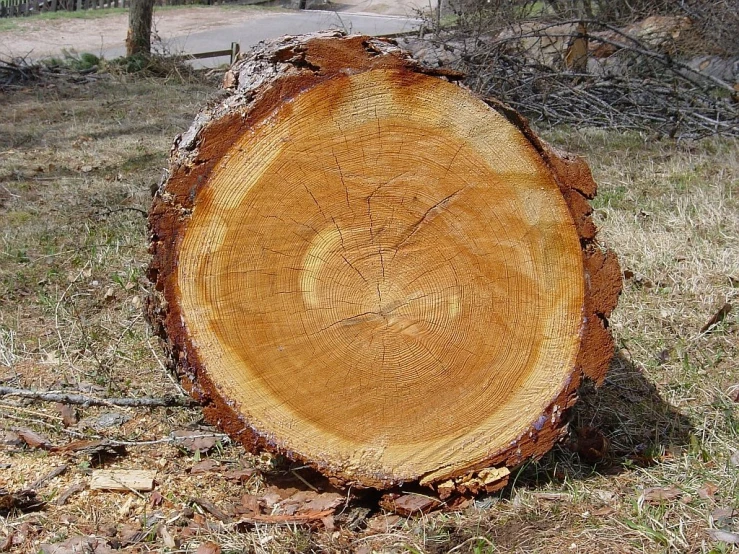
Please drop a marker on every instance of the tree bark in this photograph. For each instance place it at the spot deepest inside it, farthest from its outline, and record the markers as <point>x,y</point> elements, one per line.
<point>138,39</point>
<point>363,266</point>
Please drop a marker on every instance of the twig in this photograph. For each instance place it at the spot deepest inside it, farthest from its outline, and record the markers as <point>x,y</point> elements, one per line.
<point>84,400</point>
<point>48,477</point>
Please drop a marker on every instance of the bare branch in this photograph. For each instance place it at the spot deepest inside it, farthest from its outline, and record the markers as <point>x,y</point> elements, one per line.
<point>84,400</point>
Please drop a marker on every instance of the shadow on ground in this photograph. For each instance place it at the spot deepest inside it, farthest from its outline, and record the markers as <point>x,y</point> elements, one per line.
<point>621,425</point>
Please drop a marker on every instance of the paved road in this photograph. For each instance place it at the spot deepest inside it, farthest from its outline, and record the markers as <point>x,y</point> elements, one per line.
<point>248,34</point>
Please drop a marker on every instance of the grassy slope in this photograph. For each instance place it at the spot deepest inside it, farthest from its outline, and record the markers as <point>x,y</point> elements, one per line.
<point>76,165</point>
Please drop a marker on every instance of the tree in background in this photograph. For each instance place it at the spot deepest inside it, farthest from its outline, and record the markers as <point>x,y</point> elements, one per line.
<point>138,40</point>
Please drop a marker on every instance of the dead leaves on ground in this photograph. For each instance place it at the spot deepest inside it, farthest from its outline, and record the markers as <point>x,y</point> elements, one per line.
<point>22,501</point>
<point>77,545</point>
<point>195,441</point>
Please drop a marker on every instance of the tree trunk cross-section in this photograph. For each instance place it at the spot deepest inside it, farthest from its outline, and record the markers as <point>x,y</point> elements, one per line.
<point>362,265</point>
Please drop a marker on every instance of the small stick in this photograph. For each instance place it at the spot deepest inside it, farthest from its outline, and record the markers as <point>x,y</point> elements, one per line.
<point>84,400</point>
<point>48,477</point>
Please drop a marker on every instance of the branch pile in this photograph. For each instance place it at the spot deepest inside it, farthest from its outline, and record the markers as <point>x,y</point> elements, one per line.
<point>589,73</point>
<point>16,73</point>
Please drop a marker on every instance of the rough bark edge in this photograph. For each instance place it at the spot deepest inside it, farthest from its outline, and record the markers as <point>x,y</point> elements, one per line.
<point>270,75</point>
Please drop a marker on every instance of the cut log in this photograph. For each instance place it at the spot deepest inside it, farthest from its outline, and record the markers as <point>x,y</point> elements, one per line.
<point>363,266</point>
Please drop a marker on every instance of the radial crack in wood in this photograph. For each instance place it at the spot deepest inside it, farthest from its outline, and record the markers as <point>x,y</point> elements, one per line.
<point>362,265</point>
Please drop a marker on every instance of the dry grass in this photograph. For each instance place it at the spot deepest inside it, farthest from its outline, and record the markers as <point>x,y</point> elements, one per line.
<point>76,166</point>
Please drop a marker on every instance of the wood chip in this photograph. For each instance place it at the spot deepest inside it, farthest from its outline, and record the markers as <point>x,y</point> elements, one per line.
<point>284,518</point>
<point>122,480</point>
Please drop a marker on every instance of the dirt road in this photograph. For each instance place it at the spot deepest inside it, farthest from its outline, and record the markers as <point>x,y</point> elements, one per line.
<point>203,28</point>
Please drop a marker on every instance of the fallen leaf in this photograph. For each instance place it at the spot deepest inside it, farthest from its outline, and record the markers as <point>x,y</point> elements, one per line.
<point>381,523</point>
<point>717,318</point>
<point>25,532</point>
<point>723,536</point>
<point>310,502</point>
<point>69,417</point>
<point>105,420</point>
<point>723,516</point>
<point>734,393</point>
<point>208,548</point>
<point>23,501</point>
<point>203,467</point>
<point>249,504</point>
<point>659,494</point>
<point>212,509</point>
<point>603,511</point>
<point>707,491</point>
<point>239,475</point>
<point>9,438</point>
<point>195,441</point>
<point>328,523</point>
<point>591,445</point>
<point>33,439</point>
<point>408,504</point>
<point>7,542</point>
<point>131,533</point>
<point>156,499</point>
<point>734,460</point>
<point>167,538</point>
<point>607,497</point>
<point>75,545</point>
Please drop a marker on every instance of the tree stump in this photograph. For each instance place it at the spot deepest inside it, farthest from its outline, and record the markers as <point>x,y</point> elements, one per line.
<point>363,266</point>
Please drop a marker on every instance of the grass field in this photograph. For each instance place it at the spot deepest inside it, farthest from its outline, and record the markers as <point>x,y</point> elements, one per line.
<point>77,163</point>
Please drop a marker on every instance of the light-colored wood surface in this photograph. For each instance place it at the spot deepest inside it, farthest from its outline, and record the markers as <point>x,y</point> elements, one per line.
<point>122,480</point>
<point>384,275</point>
